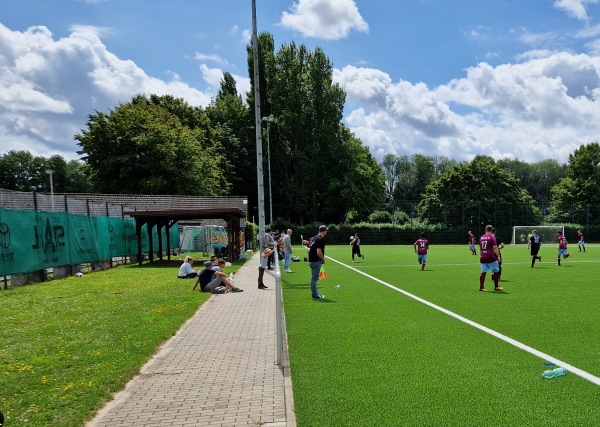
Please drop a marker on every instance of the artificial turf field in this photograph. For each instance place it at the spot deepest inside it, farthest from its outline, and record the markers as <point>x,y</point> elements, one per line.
<point>370,355</point>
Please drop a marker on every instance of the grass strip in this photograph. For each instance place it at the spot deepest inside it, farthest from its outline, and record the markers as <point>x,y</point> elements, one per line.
<point>69,344</point>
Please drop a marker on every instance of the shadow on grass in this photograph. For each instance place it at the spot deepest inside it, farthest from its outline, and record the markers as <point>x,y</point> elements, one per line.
<point>176,263</point>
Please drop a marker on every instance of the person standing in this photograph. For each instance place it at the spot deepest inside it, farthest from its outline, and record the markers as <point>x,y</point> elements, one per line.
<point>269,249</point>
<point>489,258</point>
<point>355,242</point>
<point>270,240</point>
<point>500,244</point>
<point>562,247</point>
<point>287,250</point>
<point>421,246</point>
<point>316,259</point>
<point>535,242</point>
<point>472,243</point>
<point>581,242</point>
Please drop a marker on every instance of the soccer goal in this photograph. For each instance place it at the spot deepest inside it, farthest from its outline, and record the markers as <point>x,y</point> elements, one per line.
<point>547,233</point>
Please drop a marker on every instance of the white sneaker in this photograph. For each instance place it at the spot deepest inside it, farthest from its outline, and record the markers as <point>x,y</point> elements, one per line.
<point>288,270</point>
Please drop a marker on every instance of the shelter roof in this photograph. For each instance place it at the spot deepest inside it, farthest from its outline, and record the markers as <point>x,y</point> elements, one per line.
<point>179,214</point>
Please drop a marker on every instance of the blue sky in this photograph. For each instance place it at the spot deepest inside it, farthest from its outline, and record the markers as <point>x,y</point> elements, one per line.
<point>456,78</point>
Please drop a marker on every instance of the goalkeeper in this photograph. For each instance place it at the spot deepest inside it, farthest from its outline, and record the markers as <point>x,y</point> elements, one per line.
<point>535,242</point>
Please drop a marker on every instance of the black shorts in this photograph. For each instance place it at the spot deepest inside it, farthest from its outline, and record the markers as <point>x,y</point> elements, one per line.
<point>534,250</point>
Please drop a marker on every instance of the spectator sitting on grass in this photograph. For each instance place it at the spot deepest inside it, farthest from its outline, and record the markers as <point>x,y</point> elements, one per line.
<point>186,271</point>
<point>214,281</point>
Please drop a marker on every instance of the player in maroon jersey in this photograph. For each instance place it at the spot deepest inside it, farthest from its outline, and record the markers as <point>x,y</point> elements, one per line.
<point>562,246</point>
<point>421,246</point>
<point>472,243</point>
<point>489,256</point>
<point>581,242</point>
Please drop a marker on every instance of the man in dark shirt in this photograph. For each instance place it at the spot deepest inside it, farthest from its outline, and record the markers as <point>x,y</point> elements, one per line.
<point>489,258</point>
<point>535,242</point>
<point>316,258</point>
<point>214,281</point>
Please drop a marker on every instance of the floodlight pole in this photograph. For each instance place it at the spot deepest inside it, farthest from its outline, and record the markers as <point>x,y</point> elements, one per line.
<point>268,121</point>
<point>50,172</point>
<point>258,127</point>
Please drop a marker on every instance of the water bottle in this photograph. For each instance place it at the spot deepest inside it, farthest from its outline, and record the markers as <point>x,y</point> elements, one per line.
<point>554,373</point>
<point>231,277</point>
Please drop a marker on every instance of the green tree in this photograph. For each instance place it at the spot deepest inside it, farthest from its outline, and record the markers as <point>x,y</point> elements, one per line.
<point>231,119</point>
<point>415,173</point>
<point>142,147</point>
<point>76,178</point>
<point>355,182</point>
<point>307,140</point>
<point>20,171</point>
<point>575,198</point>
<point>391,172</point>
<point>17,171</point>
<point>481,189</point>
<point>537,178</point>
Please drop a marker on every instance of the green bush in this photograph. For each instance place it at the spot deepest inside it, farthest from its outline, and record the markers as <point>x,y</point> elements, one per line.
<point>380,217</point>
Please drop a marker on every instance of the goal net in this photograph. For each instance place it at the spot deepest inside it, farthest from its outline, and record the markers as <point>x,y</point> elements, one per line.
<point>547,233</point>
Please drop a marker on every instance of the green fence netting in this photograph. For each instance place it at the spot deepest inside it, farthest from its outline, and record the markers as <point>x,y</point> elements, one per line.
<point>34,240</point>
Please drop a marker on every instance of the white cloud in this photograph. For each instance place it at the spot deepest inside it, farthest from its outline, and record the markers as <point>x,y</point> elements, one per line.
<point>48,87</point>
<point>213,58</point>
<point>575,8</point>
<point>324,19</point>
<point>91,29</point>
<point>213,77</point>
<point>543,107</point>
<point>246,36</point>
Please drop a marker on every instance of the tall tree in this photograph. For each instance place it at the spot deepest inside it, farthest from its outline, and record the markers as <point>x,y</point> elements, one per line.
<point>575,198</point>
<point>391,172</point>
<point>231,119</point>
<point>537,178</point>
<point>76,178</point>
<point>20,171</point>
<point>143,148</point>
<point>17,171</point>
<point>479,186</point>
<point>355,182</point>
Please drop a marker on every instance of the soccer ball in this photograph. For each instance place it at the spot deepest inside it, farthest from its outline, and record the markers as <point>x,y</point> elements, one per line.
<point>351,237</point>
<point>80,274</point>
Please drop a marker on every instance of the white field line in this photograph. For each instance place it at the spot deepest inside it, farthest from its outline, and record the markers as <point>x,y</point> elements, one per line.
<point>541,355</point>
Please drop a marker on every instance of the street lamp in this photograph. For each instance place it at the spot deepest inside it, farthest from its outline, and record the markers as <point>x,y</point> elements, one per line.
<point>268,121</point>
<point>50,172</point>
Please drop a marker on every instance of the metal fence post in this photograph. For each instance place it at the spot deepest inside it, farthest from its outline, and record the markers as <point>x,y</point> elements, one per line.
<point>278,309</point>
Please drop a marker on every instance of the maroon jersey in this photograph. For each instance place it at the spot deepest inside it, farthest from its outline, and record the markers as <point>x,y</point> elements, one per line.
<point>471,239</point>
<point>422,246</point>
<point>580,234</point>
<point>487,243</point>
<point>562,242</point>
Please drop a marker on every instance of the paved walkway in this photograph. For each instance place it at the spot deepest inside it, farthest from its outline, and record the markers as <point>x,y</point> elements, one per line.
<point>218,370</point>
